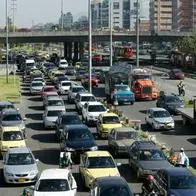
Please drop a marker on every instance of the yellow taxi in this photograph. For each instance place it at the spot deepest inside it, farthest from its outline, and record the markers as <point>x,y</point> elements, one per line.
<point>11,137</point>
<point>107,122</point>
<point>94,164</point>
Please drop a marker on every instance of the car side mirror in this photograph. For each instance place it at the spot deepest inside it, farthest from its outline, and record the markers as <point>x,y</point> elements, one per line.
<point>36,160</point>
<point>24,119</point>
<point>135,157</point>
<point>118,164</point>
<point>32,187</point>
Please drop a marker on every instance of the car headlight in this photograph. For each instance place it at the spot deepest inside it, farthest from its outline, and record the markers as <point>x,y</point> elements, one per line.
<point>91,179</point>
<point>94,148</point>
<point>69,149</point>
<point>9,174</point>
<point>22,126</point>
<point>33,173</point>
<point>117,174</point>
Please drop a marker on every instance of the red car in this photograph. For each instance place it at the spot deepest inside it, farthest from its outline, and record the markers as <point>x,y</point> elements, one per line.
<point>48,88</point>
<point>176,74</point>
<point>94,81</point>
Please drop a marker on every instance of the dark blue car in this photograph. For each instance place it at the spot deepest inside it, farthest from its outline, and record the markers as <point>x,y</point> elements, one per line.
<point>175,181</point>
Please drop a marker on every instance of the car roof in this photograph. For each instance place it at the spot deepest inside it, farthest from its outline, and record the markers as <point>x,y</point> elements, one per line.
<point>77,86</point>
<point>68,114</point>
<point>97,153</point>
<point>157,109</point>
<point>108,114</point>
<point>177,171</point>
<point>124,129</point>
<point>48,86</point>
<point>54,98</point>
<point>94,103</point>
<point>7,111</point>
<point>10,128</point>
<point>111,180</point>
<point>85,94</point>
<point>19,150</point>
<point>75,127</point>
<point>66,81</point>
<point>54,173</point>
<point>36,82</point>
<point>145,145</point>
<point>53,108</point>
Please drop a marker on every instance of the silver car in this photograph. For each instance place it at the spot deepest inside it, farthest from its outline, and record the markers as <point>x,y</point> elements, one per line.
<point>20,166</point>
<point>51,114</point>
<point>36,87</point>
<point>73,90</point>
<point>54,101</point>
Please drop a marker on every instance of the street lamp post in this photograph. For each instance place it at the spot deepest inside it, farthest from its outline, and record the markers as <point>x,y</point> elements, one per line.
<point>90,44</point>
<point>7,44</point>
<point>111,27</point>
<point>137,34</point>
<point>61,45</point>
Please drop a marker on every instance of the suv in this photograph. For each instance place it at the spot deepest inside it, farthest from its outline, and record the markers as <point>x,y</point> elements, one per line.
<point>82,98</point>
<point>66,119</point>
<point>146,158</point>
<point>170,102</point>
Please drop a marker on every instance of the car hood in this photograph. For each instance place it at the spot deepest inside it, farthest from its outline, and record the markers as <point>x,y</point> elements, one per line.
<point>125,142</point>
<point>182,192</point>
<point>65,87</point>
<point>101,172</point>
<point>11,144</point>
<point>96,114</point>
<point>62,193</point>
<point>37,88</point>
<point>51,118</point>
<point>155,165</point>
<point>164,120</point>
<point>20,169</point>
<point>111,126</point>
<point>175,105</point>
<point>81,144</point>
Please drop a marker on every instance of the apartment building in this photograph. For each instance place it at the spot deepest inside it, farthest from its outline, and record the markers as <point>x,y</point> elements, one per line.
<point>160,14</point>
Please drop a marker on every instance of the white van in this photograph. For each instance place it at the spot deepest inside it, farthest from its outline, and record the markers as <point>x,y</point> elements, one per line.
<point>63,63</point>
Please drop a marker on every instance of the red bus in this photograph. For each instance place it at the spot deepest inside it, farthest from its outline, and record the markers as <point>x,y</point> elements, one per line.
<point>123,51</point>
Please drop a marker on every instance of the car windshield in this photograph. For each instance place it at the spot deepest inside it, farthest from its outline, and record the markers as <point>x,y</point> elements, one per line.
<point>20,159</point>
<point>54,112</point>
<point>110,120</point>
<point>79,135</point>
<point>114,190</point>
<point>78,89</point>
<point>151,155</point>
<point>71,120</point>
<point>88,98</point>
<point>125,135</point>
<point>173,100</point>
<point>53,185</point>
<point>12,136</point>
<point>182,182</point>
<point>49,89</point>
<point>122,88</point>
<point>55,103</point>
<point>37,84</point>
<point>6,106</point>
<point>100,162</point>
<point>161,114</point>
<point>66,84</point>
<point>12,117</point>
<point>96,108</point>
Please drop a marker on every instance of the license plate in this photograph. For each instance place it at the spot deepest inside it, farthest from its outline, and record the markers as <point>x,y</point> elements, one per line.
<point>21,180</point>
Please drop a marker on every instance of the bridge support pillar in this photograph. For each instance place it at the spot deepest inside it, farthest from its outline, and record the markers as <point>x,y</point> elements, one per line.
<point>69,50</point>
<point>76,50</point>
<point>65,50</point>
<point>81,50</point>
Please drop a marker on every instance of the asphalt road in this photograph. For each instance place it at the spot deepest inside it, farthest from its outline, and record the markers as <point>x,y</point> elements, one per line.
<point>45,147</point>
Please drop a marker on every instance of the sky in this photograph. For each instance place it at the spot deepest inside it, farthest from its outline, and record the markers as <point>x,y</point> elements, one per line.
<point>31,12</point>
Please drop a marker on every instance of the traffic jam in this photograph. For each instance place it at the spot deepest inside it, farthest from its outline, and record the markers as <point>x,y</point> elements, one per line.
<point>59,87</point>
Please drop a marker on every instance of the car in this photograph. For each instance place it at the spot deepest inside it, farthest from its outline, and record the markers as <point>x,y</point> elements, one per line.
<point>64,86</point>
<point>50,115</point>
<point>81,98</point>
<point>11,137</point>
<point>20,166</point>
<point>63,63</point>
<point>54,101</point>
<point>57,80</point>
<point>106,122</point>
<point>176,74</point>
<point>145,158</point>
<point>53,182</point>
<point>110,185</point>
<point>65,118</point>
<point>77,139</point>
<point>177,181</point>
<point>50,95</point>
<point>73,90</point>
<point>80,74</point>
<point>159,119</point>
<point>170,103</point>
<point>70,71</point>
<point>95,164</point>
<point>46,89</point>
<point>11,117</point>
<point>119,139</point>
<point>40,80</point>
<point>7,105</point>
<point>85,81</point>
<point>91,111</point>
<point>36,87</point>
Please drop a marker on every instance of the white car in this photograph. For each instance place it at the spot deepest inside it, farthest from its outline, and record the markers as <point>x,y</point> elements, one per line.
<point>63,63</point>
<point>54,182</point>
<point>64,86</point>
<point>73,90</point>
<point>159,118</point>
<point>82,98</point>
<point>91,112</point>
<point>36,87</point>
<point>40,80</point>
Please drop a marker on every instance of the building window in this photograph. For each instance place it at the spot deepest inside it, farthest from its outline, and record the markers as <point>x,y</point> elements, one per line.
<point>116,5</point>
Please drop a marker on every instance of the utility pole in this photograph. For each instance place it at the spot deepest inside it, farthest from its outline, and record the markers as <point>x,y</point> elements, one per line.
<point>61,44</point>
<point>90,44</point>
<point>13,8</point>
<point>111,28</point>
<point>137,34</point>
<point>7,44</point>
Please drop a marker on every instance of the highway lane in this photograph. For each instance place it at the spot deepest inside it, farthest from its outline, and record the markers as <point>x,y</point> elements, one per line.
<point>46,148</point>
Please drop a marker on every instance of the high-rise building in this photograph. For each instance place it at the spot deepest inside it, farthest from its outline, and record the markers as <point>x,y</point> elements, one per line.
<point>67,20</point>
<point>160,12</point>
